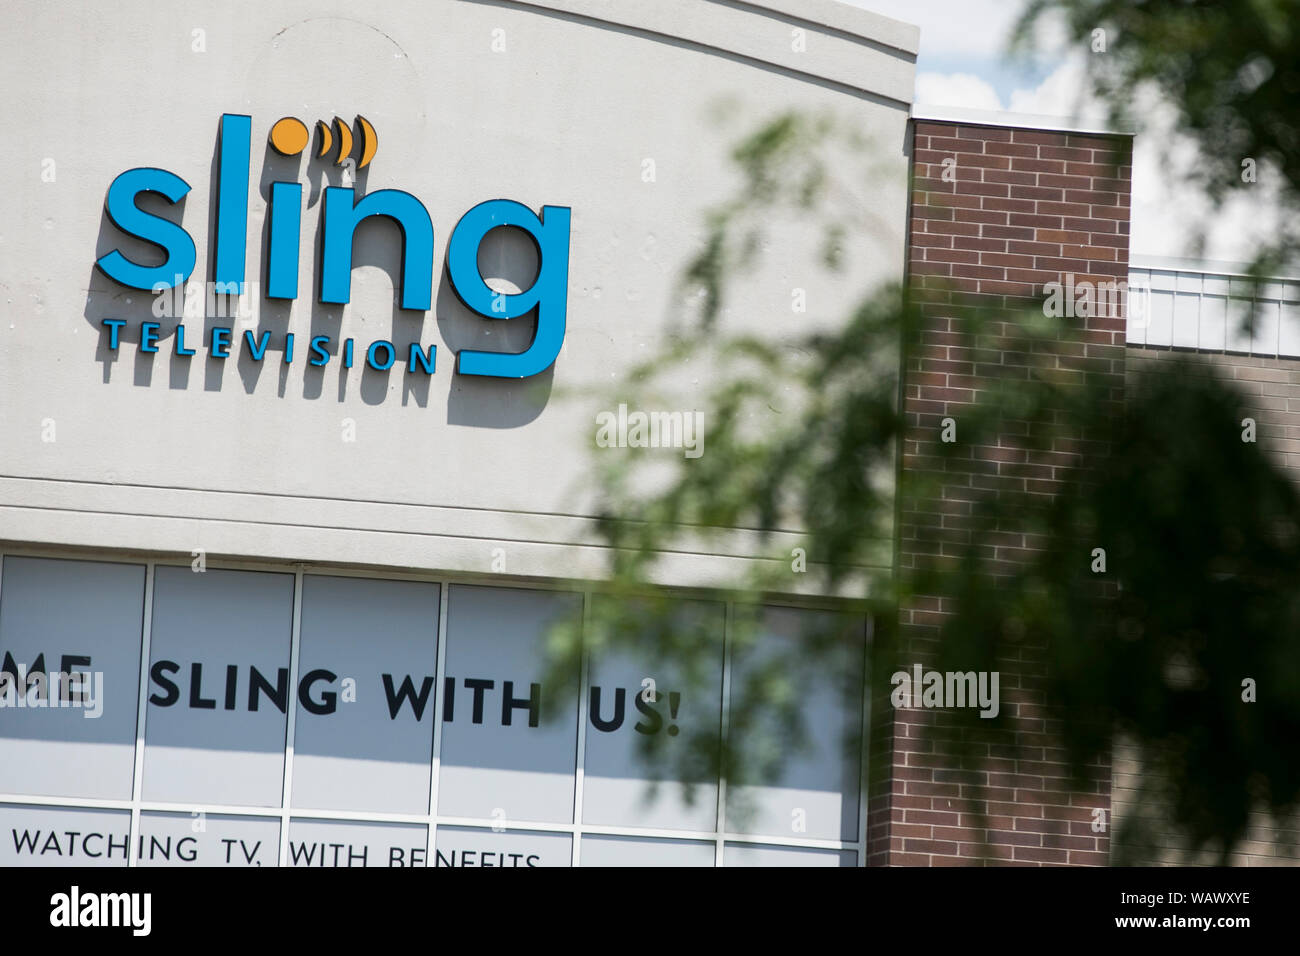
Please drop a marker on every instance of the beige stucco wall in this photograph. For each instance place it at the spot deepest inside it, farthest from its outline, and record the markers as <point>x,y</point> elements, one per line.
<point>546,103</point>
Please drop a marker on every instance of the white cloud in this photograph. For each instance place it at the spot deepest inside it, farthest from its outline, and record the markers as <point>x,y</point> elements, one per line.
<point>956,89</point>
<point>1064,92</point>
<point>1170,208</point>
<point>975,28</point>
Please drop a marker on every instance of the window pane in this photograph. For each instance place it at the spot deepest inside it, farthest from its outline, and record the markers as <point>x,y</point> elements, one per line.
<point>473,846</point>
<point>371,749</point>
<point>85,619</point>
<point>634,851</point>
<point>210,839</point>
<point>679,714</point>
<point>499,759</point>
<point>54,836</point>
<point>219,687</point>
<point>752,854</point>
<point>343,843</point>
<point>815,660</point>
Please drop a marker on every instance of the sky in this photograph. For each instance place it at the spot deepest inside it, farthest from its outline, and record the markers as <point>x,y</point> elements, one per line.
<point>963,62</point>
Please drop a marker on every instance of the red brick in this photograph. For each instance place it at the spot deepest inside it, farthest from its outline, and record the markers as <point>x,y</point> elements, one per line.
<point>1011,205</point>
<point>1062,235</point>
<point>1040,165</point>
<point>987,133</point>
<point>1025,234</point>
<point>1038,136</point>
<point>1067,153</point>
<point>1034,220</point>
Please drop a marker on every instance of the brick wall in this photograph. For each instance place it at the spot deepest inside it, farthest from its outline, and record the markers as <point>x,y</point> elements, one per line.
<point>1017,209</point>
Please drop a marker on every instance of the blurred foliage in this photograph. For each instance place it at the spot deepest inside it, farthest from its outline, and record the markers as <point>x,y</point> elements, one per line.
<point>1231,69</point>
<point>1201,587</point>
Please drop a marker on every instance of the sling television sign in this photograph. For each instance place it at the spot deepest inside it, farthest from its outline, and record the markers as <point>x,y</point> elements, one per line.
<point>342,211</point>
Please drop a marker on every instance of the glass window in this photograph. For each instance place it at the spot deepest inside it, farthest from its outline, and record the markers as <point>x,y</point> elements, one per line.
<point>814,795</point>
<point>476,846</point>
<point>207,839</point>
<point>218,687</point>
<point>635,851</point>
<point>754,854</point>
<point>499,759</point>
<point>368,654</point>
<point>367,694</point>
<point>59,836</point>
<point>347,843</point>
<point>646,692</point>
<point>83,619</point>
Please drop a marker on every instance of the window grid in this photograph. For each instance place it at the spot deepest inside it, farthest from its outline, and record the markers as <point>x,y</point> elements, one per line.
<point>432,820</point>
<point>291,725</point>
<point>137,768</point>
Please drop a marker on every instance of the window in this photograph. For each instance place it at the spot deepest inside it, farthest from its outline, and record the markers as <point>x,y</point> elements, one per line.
<point>414,710</point>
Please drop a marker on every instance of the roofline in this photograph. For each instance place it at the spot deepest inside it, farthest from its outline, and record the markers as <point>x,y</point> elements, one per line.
<point>846,18</point>
<point>855,51</point>
<point>973,117</point>
<point>1217,267</point>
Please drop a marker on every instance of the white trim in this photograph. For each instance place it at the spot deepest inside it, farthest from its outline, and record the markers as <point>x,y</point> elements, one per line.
<point>439,701</point>
<point>292,717</point>
<point>142,710</point>
<point>1000,118</point>
<point>856,50</point>
<point>864,758</point>
<point>166,557</point>
<point>1214,267</point>
<point>720,820</point>
<point>580,757</point>
<point>1173,304</point>
<point>417,819</point>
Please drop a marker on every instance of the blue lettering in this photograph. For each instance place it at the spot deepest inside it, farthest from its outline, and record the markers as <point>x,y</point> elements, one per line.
<point>319,349</point>
<point>114,327</point>
<point>220,346</point>
<point>339,220</point>
<point>375,346</point>
<point>548,293</point>
<point>174,241</point>
<point>286,228</point>
<point>232,199</point>
<point>256,349</point>
<point>180,342</point>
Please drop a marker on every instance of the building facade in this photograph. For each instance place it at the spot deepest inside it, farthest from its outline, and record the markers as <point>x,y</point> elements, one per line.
<point>306,310</point>
<point>294,479</point>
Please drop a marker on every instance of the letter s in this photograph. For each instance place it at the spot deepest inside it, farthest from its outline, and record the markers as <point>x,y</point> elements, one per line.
<point>656,719</point>
<point>174,241</point>
<point>172,691</point>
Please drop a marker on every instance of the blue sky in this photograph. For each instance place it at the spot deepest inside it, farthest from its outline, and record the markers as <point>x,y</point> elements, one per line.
<point>967,37</point>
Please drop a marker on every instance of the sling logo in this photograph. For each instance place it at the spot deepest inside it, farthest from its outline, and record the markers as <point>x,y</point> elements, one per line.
<point>74,908</point>
<point>342,211</point>
<point>289,137</point>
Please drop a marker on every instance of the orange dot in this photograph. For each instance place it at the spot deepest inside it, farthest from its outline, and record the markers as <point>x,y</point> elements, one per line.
<point>289,136</point>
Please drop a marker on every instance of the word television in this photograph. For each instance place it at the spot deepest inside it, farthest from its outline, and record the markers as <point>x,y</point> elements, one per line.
<point>379,354</point>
